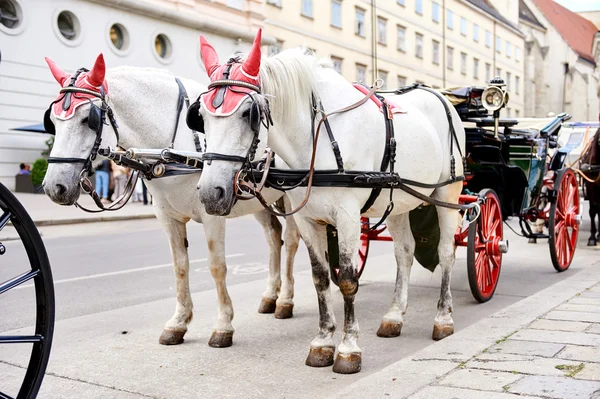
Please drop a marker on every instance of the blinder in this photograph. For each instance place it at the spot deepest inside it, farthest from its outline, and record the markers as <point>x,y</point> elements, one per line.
<point>193,119</point>
<point>94,119</point>
<point>48,125</point>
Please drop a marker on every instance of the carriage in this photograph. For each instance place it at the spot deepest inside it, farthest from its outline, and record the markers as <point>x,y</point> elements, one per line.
<point>514,169</point>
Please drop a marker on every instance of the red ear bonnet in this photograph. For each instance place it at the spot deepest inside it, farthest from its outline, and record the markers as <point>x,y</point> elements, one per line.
<point>209,56</point>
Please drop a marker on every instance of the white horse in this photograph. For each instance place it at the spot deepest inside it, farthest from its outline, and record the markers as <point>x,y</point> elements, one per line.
<point>288,80</point>
<point>144,102</point>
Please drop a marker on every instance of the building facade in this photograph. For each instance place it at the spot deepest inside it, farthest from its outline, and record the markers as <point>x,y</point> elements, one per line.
<point>442,43</point>
<point>562,55</point>
<point>151,33</point>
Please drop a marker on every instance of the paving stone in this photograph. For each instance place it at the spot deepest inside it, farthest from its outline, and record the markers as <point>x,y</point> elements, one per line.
<point>591,371</point>
<point>594,329</point>
<point>561,337</point>
<point>559,325</point>
<point>595,288</point>
<point>555,387</point>
<point>478,379</point>
<point>520,364</point>
<point>545,349</point>
<point>590,294</point>
<point>585,301</point>
<point>580,353</point>
<point>579,307</point>
<point>573,316</point>
<point>438,392</point>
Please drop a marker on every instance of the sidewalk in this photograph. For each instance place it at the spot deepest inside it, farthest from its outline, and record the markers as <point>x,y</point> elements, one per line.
<point>544,346</point>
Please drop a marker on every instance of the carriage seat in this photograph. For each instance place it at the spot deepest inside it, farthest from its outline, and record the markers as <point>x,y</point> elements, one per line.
<point>395,108</point>
<point>460,95</point>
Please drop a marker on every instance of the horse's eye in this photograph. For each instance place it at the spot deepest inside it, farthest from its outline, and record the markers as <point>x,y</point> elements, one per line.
<point>246,113</point>
<point>84,120</point>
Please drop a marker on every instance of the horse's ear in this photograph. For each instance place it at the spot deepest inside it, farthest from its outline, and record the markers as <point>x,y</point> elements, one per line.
<point>209,56</point>
<point>96,75</point>
<point>252,64</point>
<point>57,71</point>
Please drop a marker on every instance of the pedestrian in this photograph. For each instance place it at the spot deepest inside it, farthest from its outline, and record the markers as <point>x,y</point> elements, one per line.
<point>120,174</point>
<point>23,170</point>
<point>102,180</point>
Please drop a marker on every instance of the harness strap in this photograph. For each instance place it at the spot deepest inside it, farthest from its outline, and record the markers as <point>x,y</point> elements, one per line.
<point>334,145</point>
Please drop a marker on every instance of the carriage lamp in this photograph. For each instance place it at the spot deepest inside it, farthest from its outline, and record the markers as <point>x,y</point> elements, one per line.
<point>494,98</point>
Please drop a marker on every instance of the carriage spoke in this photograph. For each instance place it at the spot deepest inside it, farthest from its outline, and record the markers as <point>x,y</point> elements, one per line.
<point>488,271</point>
<point>20,339</point>
<point>495,262</point>
<point>4,396</point>
<point>4,219</point>
<point>492,230</point>
<point>10,284</point>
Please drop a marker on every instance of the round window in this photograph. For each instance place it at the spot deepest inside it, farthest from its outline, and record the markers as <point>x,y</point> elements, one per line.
<point>162,45</point>
<point>119,37</point>
<point>10,14</point>
<point>68,25</point>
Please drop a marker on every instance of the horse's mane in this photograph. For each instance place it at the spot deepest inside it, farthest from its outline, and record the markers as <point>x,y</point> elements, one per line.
<point>290,77</point>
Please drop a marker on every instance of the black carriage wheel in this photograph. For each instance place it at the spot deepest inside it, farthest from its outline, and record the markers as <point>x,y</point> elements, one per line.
<point>484,260</point>
<point>363,253</point>
<point>563,226</point>
<point>41,341</point>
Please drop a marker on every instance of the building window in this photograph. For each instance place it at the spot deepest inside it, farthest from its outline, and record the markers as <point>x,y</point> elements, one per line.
<point>238,4</point>
<point>274,2</point>
<point>463,63</point>
<point>383,75</point>
<point>276,48</point>
<point>450,22</point>
<point>498,72</point>
<point>360,22</point>
<point>498,44</point>
<point>517,113</point>
<point>401,38</point>
<point>337,64</point>
<point>488,72</point>
<point>336,13</point>
<point>508,112</point>
<point>401,81</point>
<point>476,32</point>
<point>463,26</point>
<point>435,12</point>
<point>475,68</point>
<point>418,45</point>
<point>450,58</point>
<point>307,8</point>
<point>517,84</point>
<point>381,30</point>
<point>507,81</point>
<point>436,52</point>
<point>488,39</point>
<point>68,25</point>
<point>400,2</point>
<point>508,50</point>
<point>517,54</point>
<point>361,72</point>
<point>162,46</point>
<point>119,37</point>
<point>419,7</point>
<point>10,14</point>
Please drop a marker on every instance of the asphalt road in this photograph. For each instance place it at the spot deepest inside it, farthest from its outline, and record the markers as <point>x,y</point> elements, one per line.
<point>112,278</point>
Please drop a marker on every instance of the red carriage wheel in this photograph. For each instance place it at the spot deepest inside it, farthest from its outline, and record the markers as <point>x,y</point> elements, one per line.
<point>363,251</point>
<point>564,220</point>
<point>485,247</point>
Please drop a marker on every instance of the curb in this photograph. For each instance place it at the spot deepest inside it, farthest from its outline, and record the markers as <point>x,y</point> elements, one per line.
<point>409,375</point>
<point>57,222</point>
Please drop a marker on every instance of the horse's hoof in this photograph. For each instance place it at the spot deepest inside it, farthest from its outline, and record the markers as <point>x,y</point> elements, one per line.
<point>347,363</point>
<point>267,305</point>
<point>591,242</point>
<point>284,311</point>
<point>532,240</point>
<point>389,329</point>
<point>442,331</point>
<point>321,356</point>
<point>171,337</point>
<point>221,339</point>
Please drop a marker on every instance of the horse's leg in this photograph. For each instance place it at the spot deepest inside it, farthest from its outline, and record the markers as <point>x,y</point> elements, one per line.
<point>593,212</point>
<point>349,357</point>
<point>285,302</point>
<point>322,348</point>
<point>176,327</point>
<point>404,248</point>
<point>214,230</point>
<point>272,228</point>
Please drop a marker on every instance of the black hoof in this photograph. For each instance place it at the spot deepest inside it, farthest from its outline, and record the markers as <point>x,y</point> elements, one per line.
<point>222,339</point>
<point>170,337</point>
<point>532,240</point>
<point>320,356</point>
<point>591,242</point>
<point>349,363</point>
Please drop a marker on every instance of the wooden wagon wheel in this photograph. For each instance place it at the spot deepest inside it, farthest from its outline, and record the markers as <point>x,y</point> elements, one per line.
<point>41,340</point>
<point>363,252</point>
<point>564,220</point>
<point>484,252</point>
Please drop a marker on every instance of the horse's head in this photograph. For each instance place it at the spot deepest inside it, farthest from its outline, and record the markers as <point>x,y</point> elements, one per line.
<point>76,118</point>
<point>230,114</point>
